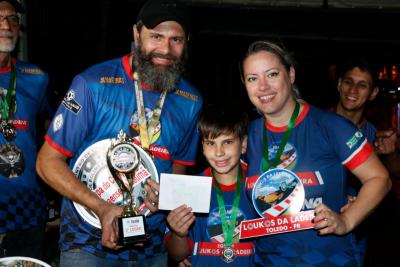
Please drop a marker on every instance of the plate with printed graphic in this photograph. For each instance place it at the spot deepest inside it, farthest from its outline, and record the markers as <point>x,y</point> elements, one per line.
<point>91,169</point>
<point>278,192</point>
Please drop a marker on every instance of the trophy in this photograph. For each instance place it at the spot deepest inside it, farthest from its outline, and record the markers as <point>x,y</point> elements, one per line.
<point>92,169</point>
<point>123,160</point>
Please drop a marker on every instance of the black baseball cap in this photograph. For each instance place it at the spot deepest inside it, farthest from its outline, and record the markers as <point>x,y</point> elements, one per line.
<point>154,12</point>
<point>17,5</point>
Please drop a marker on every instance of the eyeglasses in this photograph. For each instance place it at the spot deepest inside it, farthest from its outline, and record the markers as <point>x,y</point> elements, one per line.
<point>13,20</point>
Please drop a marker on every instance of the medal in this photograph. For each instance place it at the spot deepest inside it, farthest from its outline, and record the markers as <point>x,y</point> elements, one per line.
<point>228,254</point>
<point>146,128</point>
<point>8,130</point>
<point>11,161</point>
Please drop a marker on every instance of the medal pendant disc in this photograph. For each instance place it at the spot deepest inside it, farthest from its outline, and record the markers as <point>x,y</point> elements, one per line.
<point>12,162</point>
<point>228,254</point>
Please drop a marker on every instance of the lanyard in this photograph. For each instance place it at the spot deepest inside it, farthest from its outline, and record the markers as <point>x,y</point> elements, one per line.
<point>266,163</point>
<point>147,131</point>
<point>6,103</point>
<point>229,229</point>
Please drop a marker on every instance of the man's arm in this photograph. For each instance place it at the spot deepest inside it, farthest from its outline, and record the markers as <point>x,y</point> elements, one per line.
<point>52,167</point>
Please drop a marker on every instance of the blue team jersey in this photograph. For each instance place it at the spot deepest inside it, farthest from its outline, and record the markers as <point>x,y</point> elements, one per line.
<point>22,202</point>
<point>99,103</point>
<point>206,235</point>
<point>321,147</point>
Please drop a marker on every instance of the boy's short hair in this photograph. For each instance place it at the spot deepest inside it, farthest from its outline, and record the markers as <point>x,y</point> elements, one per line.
<point>219,119</point>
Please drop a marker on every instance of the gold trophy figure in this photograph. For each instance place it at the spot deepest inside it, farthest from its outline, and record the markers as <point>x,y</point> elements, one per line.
<point>123,159</point>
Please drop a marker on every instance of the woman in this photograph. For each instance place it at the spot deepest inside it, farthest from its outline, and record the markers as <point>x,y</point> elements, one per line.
<point>321,146</point>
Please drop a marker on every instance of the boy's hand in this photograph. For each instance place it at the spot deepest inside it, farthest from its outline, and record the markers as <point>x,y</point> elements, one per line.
<point>180,220</point>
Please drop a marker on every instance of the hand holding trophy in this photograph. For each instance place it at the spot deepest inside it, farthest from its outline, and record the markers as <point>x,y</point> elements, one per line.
<point>123,160</point>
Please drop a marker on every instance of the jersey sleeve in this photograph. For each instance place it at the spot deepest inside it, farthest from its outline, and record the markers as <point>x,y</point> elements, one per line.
<point>348,142</point>
<point>73,119</point>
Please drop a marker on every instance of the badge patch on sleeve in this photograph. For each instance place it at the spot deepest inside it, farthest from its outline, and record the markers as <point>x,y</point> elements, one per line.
<point>354,139</point>
<point>58,122</point>
<point>70,103</point>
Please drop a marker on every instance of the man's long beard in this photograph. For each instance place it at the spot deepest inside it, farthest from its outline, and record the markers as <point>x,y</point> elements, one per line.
<point>162,78</point>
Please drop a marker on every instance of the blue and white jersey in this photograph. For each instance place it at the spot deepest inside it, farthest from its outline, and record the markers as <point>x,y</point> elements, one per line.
<point>22,202</point>
<point>321,147</point>
<point>99,103</point>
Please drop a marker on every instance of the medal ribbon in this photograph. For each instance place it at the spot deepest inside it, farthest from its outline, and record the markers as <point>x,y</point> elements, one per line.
<point>229,229</point>
<point>147,131</point>
<point>266,164</point>
<point>7,105</point>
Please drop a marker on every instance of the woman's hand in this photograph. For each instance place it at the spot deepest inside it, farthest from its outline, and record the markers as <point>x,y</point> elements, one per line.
<point>326,221</point>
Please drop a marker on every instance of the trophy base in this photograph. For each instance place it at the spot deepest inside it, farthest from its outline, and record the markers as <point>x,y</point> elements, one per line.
<point>131,230</point>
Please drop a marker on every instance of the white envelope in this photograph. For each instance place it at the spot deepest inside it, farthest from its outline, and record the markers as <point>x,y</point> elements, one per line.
<point>176,189</point>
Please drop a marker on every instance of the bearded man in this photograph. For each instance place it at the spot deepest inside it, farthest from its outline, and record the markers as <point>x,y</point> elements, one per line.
<point>144,95</point>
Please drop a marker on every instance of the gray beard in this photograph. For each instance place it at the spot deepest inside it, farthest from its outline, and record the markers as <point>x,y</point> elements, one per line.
<point>158,78</point>
<point>8,46</point>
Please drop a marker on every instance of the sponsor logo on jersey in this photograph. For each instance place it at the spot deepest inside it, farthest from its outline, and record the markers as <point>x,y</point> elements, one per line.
<point>311,203</point>
<point>187,95</point>
<point>310,178</point>
<point>70,103</point>
<point>58,122</point>
<point>354,139</point>
<point>216,249</point>
<point>20,124</point>
<point>32,71</point>
<point>113,80</point>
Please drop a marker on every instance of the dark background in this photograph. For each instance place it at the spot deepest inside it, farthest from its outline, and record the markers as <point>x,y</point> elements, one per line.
<point>66,37</point>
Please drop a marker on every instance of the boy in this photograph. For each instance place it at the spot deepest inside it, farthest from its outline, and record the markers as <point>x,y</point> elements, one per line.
<point>208,238</point>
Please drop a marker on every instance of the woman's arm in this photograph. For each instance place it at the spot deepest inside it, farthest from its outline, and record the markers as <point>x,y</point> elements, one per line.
<point>375,185</point>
